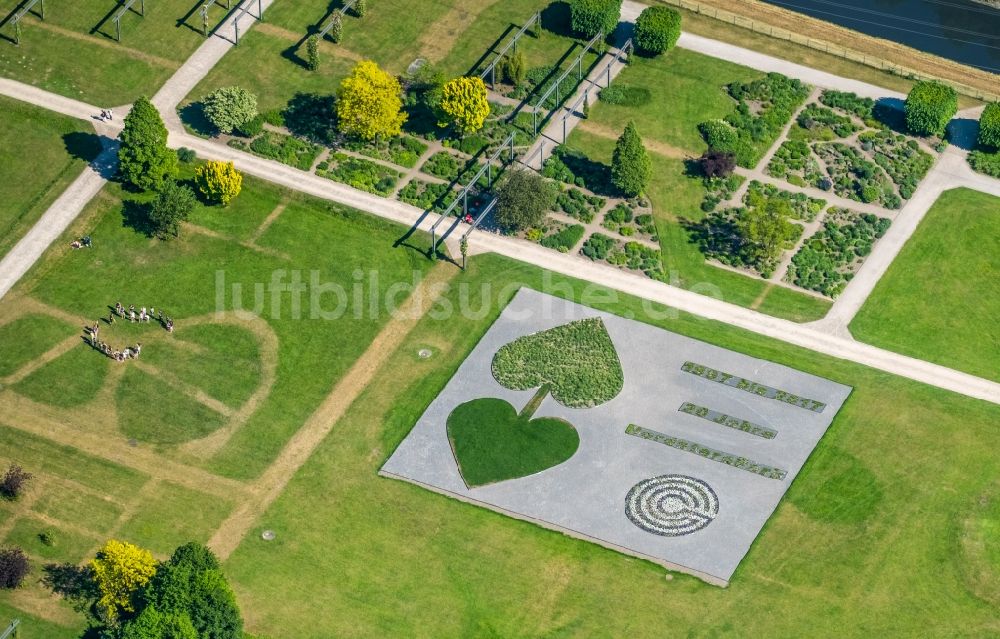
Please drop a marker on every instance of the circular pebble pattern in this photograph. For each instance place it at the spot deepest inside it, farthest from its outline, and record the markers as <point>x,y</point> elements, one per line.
<point>671,505</point>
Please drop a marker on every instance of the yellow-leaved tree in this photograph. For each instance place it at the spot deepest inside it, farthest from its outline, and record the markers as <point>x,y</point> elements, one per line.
<point>120,569</point>
<point>369,103</point>
<point>218,181</point>
<point>464,104</point>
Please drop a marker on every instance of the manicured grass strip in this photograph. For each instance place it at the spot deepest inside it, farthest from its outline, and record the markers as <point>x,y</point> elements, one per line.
<point>173,515</point>
<point>492,442</point>
<point>150,410</point>
<point>33,452</point>
<point>950,260</point>
<point>27,337</point>
<point>730,459</point>
<point>66,546</point>
<point>72,379</point>
<point>83,509</point>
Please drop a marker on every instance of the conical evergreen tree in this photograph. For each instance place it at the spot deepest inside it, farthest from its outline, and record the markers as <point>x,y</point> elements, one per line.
<point>145,161</point>
<point>631,167</point>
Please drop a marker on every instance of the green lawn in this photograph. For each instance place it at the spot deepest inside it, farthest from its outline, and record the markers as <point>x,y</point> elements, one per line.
<point>74,52</point>
<point>27,337</point>
<point>58,148</point>
<point>940,298</point>
<point>685,88</point>
<point>832,559</point>
<point>676,197</point>
<point>184,278</point>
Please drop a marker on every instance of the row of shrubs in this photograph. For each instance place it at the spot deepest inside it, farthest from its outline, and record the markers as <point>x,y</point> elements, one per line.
<point>632,255</point>
<point>361,174</point>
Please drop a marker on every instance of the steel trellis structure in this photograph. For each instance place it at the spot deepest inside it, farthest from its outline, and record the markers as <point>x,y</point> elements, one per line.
<point>121,12</point>
<point>16,18</point>
<point>342,11</point>
<point>578,62</point>
<point>491,69</point>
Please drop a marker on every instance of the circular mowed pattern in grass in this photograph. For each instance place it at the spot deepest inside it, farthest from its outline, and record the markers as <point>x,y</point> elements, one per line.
<point>151,410</point>
<point>671,505</point>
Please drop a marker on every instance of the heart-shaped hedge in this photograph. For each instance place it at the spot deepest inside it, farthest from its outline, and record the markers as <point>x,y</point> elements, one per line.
<point>577,360</point>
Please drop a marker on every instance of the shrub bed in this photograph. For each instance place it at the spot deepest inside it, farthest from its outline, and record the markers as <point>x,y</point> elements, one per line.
<point>794,162</point>
<point>402,150</point>
<point>829,259</point>
<point>283,148</point>
<point>427,195</point>
<point>804,207</point>
<point>450,167</point>
<point>718,238</point>
<point>900,157</point>
<point>817,122</point>
<point>986,163</point>
<point>719,190</point>
<point>628,255</point>
<point>577,204</point>
<point>764,107</point>
<point>851,103</point>
<point>624,220</point>
<point>361,174</point>
<point>563,238</point>
<point>573,167</point>
<point>856,177</point>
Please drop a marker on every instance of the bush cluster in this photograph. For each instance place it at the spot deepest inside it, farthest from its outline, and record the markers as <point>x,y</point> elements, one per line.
<point>283,148</point>
<point>427,195</point>
<point>564,239</point>
<point>989,126</point>
<point>718,190</point>
<point>623,220</point>
<point>590,17</point>
<point>657,30</point>
<point>901,158</point>
<point>631,255</point>
<point>986,163</point>
<point>450,167</point>
<point>401,149</point>
<point>13,482</point>
<point>801,205</point>
<point>822,123</point>
<point>849,103</point>
<point>855,176</point>
<point>929,108</point>
<point>828,261</point>
<point>573,167</point>
<point>579,205</point>
<point>794,162</point>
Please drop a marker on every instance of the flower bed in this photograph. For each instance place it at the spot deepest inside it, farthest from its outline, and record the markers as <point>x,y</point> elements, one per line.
<point>283,148</point>
<point>730,459</point>
<point>402,150</point>
<point>361,174</point>
<point>624,220</point>
<point>849,103</point>
<point>804,207</point>
<point>856,177</point>
<point>427,195</point>
<point>828,261</point>
<point>899,156</point>
<point>794,162</point>
<point>577,204</point>
<point>628,255</point>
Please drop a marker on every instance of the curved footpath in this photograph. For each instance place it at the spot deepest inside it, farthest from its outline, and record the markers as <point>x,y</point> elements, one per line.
<point>817,336</point>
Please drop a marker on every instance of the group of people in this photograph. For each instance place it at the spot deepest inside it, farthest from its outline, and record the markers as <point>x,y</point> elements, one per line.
<point>107,114</point>
<point>132,315</point>
<point>140,316</point>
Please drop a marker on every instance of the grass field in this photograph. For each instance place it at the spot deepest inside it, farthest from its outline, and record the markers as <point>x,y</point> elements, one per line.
<point>74,52</point>
<point>832,559</point>
<point>58,147</point>
<point>940,298</point>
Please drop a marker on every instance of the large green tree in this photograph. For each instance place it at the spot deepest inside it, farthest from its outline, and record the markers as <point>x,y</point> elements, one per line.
<point>172,206</point>
<point>230,108</point>
<point>590,17</point>
<point>631,167</point>
<point>989,126</point>
<point>144,159</point>
<point>765,229</point>
<point>657,29</point>
<point>929,108</point>
<point>369,103</point>
<point>523,198</point>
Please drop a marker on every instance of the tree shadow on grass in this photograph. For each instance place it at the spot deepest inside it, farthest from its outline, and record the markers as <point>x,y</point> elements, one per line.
<point>556,18</point>
<point>890,112</point>
<point>193,115</point>
<point>82,145</point>
<point>135,216</point>
<point>312,116</point>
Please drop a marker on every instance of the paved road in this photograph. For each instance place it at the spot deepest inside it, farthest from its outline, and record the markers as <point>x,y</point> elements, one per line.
<point>819,339</point>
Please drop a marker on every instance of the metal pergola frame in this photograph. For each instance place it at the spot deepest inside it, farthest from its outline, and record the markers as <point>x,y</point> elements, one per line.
<point>342,11</point>
<point>555,88</point>
<point>463,195</point>
<point>491,68</point>
<point>16,18</point>
<point>204,14</point>
<point>243,10</point>
<point>621,55</point>
<point>121,12</point>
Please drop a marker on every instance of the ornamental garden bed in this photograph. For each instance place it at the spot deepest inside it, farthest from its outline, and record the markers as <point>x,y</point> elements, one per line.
<point>556,235</point>
<point>402,150</point>
<point>623,254</point>
<point>497,128</point>
<point>427,195</point>
<point>448,166</point>
<point>286,149</point>
<point>574,168</point>
<point>827,261</point>
<point>361,174</point>
<point>803,207</point>
<point>718,238</point>
<point>856,177</point>
<point>816,122</point>
<point>795,163</point>
<point>631,219</point>
<point>718,190</point>
<point>578,205</point>
<point>900,157</point>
